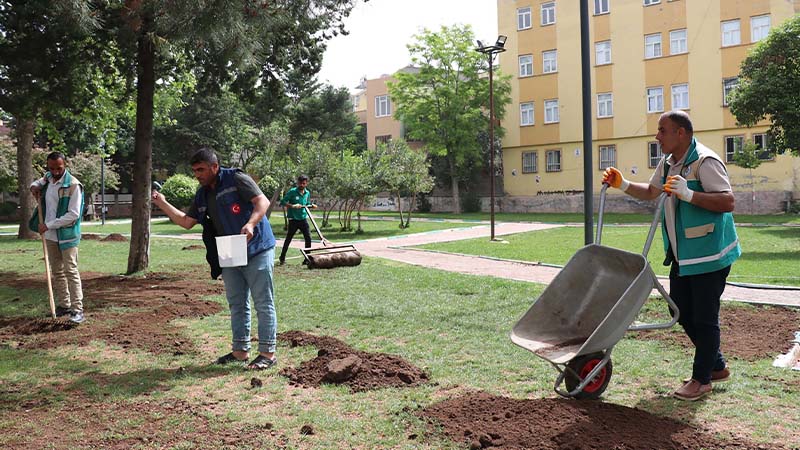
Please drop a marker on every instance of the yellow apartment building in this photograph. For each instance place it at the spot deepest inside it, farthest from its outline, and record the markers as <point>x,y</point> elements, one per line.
<point>647,57</point>
<point>374,108</point>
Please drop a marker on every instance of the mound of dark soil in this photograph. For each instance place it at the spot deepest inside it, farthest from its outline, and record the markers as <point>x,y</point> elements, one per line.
<point>338,363</point>
<point>747,333</point>
<point>482,420</point>
<point>132,312</point>
<point>114,237</point>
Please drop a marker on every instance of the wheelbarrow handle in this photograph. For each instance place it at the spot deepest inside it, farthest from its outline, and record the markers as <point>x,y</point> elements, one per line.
<point>653,225</point>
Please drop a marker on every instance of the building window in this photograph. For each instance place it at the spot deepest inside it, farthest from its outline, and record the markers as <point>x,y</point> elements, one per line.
<point>530,162</point>
<point>383,107</point>
<point>526,113</point>
<point>651,2</point>
<point>549,61</point>
<point>548,13</point>
<point>652,45</point>
<point>553,160</point>
<point>655,99</point>
<point>383,139</point>
<point>730,33</point>
<point>605,105</point>
<point>600,7</point>
<point>762,144</point>
<point>654,154</point>
<point>677,42</point>
<point>759,28</point>
<point>523,18</point>
<point>680,96</point>
<point>733,145</point>
<point>602,53</point>
<point>608,156</point>
<point>525,65</point>
<point>551,111</point>
<point>728,85</point>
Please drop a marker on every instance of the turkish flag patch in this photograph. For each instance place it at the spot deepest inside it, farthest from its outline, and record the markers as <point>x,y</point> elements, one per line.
<point>236,208</point>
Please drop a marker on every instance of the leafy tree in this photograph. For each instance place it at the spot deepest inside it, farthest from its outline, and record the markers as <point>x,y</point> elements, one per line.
<point>61,75</point>
<point>327,112</point>
<point>768,85</point>
<point>320,160</point>
<point>87,167</point>
<point>749,158</point>
<point>404,172</point>
<point>265,42</point>
<point>443,103</point>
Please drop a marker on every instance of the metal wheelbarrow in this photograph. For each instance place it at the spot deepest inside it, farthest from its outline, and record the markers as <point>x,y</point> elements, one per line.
<point>587,308</point>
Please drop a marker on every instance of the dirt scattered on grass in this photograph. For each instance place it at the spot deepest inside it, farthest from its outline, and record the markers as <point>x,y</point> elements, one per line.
<point>114,237</point>
<point>482,420</point>
<point>194,247</point>
<point>747,333</point>
<point>338,363</point>
<point>166,423</point>
<point>132,312</point>
<point>90,237</point>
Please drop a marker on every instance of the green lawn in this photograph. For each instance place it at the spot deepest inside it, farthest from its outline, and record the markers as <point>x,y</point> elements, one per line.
<point>455,326</point>
<point>770,254</point>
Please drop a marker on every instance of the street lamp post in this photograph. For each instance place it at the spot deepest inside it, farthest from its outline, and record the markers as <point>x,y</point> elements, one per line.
<point>490,51</point>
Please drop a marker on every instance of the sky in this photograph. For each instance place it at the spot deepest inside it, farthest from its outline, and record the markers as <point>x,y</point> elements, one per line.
<point>381,29</point>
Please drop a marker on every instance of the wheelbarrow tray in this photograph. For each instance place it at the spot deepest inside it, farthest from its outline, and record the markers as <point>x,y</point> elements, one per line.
<point>588,306</point>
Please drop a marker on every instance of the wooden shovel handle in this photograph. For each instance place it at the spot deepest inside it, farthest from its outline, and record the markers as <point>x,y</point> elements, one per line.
<point>47,261</point>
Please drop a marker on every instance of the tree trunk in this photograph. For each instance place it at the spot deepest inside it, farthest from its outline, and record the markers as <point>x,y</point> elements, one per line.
<point>454,184</point>
<point>139,255</point>
<point>400,208</point>
<point>25,129</point>
<point>411,208</point>
<point>272,202</point>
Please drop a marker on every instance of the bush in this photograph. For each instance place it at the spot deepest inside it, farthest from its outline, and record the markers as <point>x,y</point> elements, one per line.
<point>470,202</point>
<point>180,189</point>
<point>424,205</point>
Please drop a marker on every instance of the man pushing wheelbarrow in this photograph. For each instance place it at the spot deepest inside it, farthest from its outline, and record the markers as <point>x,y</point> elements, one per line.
<point>584,312</point>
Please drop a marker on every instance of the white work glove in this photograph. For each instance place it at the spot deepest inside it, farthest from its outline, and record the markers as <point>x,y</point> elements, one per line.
<point>676,184</point>
<point>614,178</point>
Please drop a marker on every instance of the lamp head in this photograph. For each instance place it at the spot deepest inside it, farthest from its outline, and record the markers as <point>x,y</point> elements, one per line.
<point>501,41</point>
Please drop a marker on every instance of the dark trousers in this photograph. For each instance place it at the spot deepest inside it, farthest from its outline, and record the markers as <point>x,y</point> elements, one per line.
<point>295,225</point>
<point>698,299</point>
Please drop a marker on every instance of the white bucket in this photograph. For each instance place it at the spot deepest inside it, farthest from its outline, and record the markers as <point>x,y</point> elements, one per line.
<point>232,250</point>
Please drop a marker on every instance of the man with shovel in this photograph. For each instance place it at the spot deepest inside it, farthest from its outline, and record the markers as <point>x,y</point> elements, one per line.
<point>295,201</point>
<point>61,228</point>
<point>229,202</point>
<point>700,240</point>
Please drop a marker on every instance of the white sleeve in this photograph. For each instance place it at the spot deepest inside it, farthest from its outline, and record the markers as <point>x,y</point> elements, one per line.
<point>73,211</point>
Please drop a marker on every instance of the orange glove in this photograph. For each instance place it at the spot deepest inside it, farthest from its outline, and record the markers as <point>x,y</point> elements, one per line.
<point>614,178</point>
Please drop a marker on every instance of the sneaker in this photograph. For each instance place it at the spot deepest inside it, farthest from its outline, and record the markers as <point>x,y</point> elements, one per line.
<point>692,391</point>
<point>76,316</point>
<point>717,376</point>
<point>60,312</point>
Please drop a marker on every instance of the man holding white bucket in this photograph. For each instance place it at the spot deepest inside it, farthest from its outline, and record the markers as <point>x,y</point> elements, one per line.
<point>229,202</point>
<point>699,239</point>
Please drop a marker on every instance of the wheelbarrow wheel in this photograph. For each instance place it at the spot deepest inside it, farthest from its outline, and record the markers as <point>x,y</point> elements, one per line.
<point>582,366</point>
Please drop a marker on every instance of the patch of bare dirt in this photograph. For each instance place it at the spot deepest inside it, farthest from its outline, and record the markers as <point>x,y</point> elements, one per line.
<point>133,312</point>
<point>482,420</point>
<point>114,237</point>
<point>90,237</point>
<point>150,424</point>
<point>747,333</point>
<point>338,363</point>
<point>194,247</point>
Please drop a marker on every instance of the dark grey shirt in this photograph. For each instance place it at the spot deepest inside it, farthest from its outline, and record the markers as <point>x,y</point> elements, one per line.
<point>247,187</point>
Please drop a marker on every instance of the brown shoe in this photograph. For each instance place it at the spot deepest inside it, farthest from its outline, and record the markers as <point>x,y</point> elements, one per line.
<point>717,376</point>
<point>692,391</point>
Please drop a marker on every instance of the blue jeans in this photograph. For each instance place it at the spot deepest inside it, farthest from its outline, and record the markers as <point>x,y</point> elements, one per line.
<point>240,282</point>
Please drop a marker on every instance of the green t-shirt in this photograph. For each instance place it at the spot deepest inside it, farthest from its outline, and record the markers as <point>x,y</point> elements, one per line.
<point>294,197</point>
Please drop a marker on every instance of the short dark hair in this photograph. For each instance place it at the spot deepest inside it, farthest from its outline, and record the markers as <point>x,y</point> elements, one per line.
<point>55,156</point>
<point>204,154</point>
<point>302,178</point>
<point>680,118</point>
